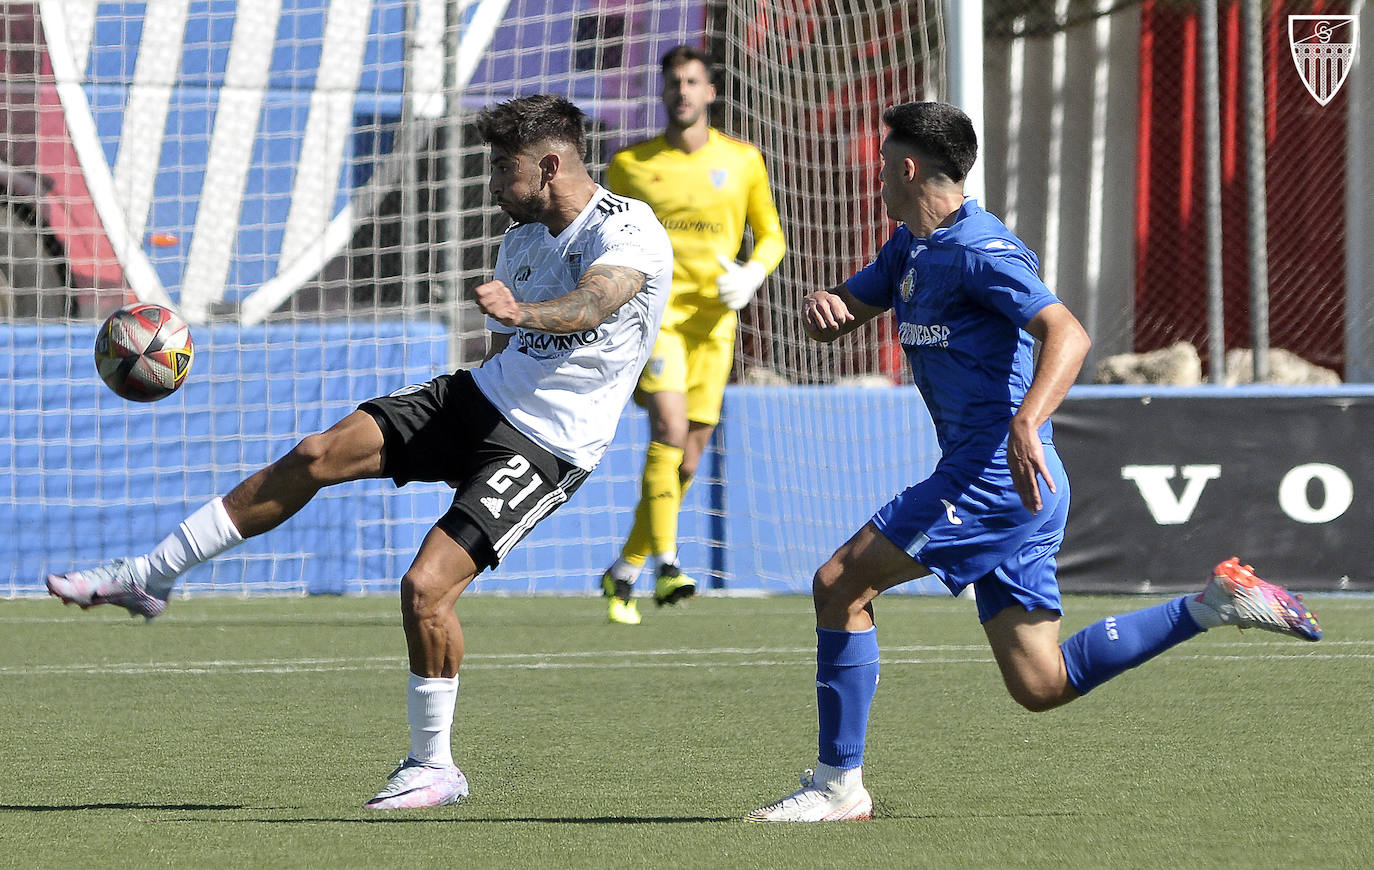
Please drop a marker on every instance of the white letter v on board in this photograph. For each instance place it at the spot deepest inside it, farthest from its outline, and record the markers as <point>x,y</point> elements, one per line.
<point>1153,483</point>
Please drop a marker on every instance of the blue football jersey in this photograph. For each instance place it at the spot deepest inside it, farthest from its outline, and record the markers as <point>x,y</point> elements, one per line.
<point>961,298</point>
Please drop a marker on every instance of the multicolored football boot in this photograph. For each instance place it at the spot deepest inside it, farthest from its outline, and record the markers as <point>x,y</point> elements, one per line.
<point>1246,601</point>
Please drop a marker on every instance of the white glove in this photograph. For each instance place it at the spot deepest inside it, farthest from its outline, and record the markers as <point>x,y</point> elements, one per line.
<point>739,283</point>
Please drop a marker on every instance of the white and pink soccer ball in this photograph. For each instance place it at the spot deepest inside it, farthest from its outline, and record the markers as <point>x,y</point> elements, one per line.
<point>144,352</point>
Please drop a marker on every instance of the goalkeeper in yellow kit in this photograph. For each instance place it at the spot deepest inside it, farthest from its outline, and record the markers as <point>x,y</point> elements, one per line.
<point>705,187</point>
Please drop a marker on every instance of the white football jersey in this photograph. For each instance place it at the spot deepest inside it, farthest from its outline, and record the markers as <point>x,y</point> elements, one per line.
<point>566,392</point>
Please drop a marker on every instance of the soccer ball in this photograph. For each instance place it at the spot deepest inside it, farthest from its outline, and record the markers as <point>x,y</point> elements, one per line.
<point>143,352</point>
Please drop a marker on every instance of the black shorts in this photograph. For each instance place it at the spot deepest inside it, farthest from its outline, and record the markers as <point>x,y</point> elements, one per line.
<point>446,431</point>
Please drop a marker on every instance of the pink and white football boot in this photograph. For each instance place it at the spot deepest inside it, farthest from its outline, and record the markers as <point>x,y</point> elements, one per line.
<point>111,583</point>
<point>415,785</point>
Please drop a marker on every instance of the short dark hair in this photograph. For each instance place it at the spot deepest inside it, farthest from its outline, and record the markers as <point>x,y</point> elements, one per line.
<point>940,132</point>
<point>524,122</point>
<point>678,55</point>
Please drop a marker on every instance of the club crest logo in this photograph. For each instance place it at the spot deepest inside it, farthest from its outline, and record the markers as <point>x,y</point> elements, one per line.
<point>718,178</point>
<point>908,285</point>
<point>1323,48</point>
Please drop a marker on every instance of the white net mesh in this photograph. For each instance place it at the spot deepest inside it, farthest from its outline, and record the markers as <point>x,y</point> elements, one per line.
<point>808,84</point>
<point>259,167</point>
<point>805,83</point>
<point>301,181</point>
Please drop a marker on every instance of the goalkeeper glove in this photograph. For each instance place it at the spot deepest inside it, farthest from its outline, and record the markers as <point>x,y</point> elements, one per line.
<point>738,283</point>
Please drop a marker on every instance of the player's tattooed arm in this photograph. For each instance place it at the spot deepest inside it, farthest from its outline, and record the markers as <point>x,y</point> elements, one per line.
<point>600,293</point>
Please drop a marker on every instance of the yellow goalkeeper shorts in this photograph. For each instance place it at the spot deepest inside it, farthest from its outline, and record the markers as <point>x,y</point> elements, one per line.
<point>693,364</point>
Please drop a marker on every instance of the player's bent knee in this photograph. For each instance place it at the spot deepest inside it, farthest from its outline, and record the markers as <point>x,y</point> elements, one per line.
<point>688,469</point>
<point>1041,696</point>
<point>324,458</point>
<point>309,460</point>
<point>1036,703</point>
<point>310,451</point>
<point>428,588</point>
<point>423,594</point>
<point>823,584</point>
<point>831,589</point>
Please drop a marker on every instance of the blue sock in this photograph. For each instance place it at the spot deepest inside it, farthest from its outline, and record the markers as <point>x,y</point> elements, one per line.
<point>1119,643</point>
<point>846,677</point>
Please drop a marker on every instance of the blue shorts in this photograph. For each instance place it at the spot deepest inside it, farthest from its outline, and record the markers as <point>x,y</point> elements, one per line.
<point>967,525</point>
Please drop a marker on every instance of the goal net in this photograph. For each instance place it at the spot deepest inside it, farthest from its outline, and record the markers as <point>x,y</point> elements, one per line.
<point>261,168</point>
<point>818,429</point>
<point>811,441</point>
<point>301,180</point>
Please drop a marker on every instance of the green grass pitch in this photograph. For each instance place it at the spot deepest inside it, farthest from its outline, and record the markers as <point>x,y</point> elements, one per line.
<point>247,733</point>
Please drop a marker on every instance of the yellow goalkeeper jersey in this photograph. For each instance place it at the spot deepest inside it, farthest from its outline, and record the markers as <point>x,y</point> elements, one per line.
<point>704,200</point>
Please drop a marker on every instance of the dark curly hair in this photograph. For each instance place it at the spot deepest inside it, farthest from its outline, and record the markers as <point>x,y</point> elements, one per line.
<point>515,125</point>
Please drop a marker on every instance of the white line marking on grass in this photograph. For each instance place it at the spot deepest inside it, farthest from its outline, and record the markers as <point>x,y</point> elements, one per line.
<point>716,657</point>
<point>1269,657</point>
<point>205,667</point>
<point>42,620</point>
<point>217,669</point>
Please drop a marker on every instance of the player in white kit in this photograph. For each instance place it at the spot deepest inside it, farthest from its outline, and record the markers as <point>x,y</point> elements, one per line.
<point>574,307</point>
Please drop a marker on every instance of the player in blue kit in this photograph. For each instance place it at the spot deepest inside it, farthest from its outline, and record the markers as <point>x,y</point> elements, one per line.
<point>969,307</point>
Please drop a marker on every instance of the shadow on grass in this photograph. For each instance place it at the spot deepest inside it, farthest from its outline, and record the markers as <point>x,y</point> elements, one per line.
<point>64,808</point>
<point>424,816</point>
<point>199,621</point>
<point>412,819</point>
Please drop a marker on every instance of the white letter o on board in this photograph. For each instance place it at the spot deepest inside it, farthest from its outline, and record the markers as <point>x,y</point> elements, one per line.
<point>1339,490</point>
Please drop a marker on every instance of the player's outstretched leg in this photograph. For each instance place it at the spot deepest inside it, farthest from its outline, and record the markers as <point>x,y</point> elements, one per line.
<point>143,584</point>
<point>111,583</point>
<point>1233,596</point>
<point>349,450</point>
<point>827,794</point>
<point>417,785</point>
<point>1240,598</point>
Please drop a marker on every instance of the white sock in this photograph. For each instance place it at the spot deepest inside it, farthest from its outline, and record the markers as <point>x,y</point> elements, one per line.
<point>668,558</point>
<point>626,572</point>
<point>429,709</point>
<point>1204,615</point>
<point>838,780</point>
<point>201,536</point>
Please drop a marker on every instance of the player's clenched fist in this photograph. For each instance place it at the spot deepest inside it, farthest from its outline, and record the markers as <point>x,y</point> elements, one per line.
<point>824,314</point>
<point>496,301</point>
